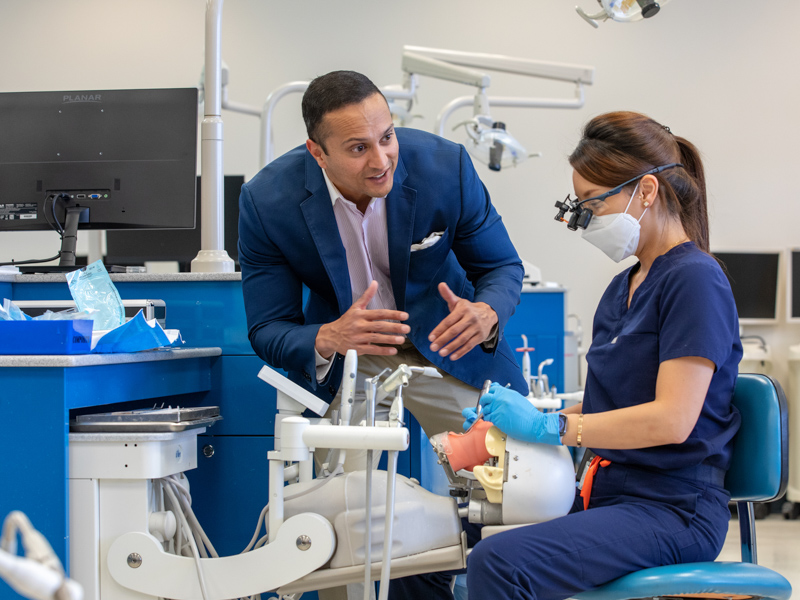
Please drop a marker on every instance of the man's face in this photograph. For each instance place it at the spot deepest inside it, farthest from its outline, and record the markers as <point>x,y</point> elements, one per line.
<point>361,149</point>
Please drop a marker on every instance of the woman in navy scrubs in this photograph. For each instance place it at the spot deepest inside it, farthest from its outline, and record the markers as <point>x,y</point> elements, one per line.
<point>662,366</point>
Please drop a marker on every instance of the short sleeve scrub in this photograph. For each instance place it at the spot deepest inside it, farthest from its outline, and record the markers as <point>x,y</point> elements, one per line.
<point>652,506</point>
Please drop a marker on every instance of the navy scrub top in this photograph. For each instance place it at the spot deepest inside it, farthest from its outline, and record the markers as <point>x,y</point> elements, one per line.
<point>684,307</point>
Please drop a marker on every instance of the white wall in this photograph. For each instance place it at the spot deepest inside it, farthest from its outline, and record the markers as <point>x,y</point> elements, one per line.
<point>724,74</point>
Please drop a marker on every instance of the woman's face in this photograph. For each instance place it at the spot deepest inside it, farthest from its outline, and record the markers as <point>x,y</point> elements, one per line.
<point>585,189</point>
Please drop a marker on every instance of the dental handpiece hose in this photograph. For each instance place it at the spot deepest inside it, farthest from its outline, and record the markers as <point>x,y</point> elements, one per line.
<point>391,478</point>
<point>370,389</point>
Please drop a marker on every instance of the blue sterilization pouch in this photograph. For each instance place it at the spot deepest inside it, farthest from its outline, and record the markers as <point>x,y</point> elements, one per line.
<point>11,312</point>
<point>93,292</point>
<point>136,335</point>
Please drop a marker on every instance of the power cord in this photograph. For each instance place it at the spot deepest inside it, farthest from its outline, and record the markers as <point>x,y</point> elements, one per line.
<point>59,230</point>
<point>199,545</point>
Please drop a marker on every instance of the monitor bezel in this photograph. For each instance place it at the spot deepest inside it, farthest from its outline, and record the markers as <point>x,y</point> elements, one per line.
<point>98,160</point>
<point>780,255</point>
<point>788,278</point>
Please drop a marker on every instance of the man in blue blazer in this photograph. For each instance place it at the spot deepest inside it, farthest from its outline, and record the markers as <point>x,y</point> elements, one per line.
<point>397,241</point>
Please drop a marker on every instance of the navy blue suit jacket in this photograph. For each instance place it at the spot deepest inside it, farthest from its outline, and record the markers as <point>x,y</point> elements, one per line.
<point>288,237</point>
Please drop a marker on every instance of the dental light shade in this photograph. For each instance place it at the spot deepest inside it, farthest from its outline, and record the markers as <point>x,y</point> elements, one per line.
<point>624,11</point>
<point>489,142</point>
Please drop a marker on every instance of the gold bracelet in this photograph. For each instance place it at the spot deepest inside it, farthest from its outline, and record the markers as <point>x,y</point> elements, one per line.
<point>580,430</point>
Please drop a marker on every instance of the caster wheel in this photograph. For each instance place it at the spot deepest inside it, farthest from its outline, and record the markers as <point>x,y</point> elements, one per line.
<point>761,510</point>
<point>790,510</point>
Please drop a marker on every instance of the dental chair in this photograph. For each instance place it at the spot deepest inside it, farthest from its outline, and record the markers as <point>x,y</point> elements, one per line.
<point>758,473</point>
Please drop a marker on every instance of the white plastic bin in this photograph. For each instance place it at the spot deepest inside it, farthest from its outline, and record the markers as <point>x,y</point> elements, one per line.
<point>793,399</point>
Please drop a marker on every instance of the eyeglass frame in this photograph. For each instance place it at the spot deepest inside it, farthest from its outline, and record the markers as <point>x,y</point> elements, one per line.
<point>582,216</point>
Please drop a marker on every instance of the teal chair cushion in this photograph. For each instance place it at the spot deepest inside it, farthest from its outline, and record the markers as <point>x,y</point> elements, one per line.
<point>731,578</point>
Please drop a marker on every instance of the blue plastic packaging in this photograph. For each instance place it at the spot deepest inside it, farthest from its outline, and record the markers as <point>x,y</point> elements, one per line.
<point>46,337</point>
<point>136,335</point>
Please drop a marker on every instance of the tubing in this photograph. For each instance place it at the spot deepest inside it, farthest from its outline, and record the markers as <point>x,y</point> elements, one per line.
<point>391,479</point>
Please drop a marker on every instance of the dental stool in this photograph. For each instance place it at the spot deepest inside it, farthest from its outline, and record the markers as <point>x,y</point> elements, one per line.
<point>758,473</point>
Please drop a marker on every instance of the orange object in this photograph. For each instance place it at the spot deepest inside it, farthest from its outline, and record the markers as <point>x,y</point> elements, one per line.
<point>588,480</point>
<point>468,450</point>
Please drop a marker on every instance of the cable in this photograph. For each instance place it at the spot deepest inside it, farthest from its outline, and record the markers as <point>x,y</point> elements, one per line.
<point>32,261</point>
<point>264,511</point>
<point>53,197</point>
<point>391,482</point>
<point>368,529</point>
<point>186,499</point>
<point>255,539</point>
<point>199,544</point>
<point>59,231</point>
<point>320,482</point>
<point>176,503</point>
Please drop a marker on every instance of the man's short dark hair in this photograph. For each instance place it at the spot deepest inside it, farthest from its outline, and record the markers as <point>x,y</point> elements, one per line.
<point>331,92</point>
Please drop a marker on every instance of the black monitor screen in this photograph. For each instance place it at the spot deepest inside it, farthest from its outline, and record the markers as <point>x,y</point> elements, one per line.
<point>794,283</point>
<point>137,247</point>
<point>126,158</point>
<point>754,280</point>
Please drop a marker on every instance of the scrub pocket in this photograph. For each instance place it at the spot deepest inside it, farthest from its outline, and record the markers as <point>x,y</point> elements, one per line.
<point>627,367</point>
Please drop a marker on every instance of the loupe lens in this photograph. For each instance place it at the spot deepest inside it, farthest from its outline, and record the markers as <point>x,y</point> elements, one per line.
<point>584,218</point>
<point>572,225</point>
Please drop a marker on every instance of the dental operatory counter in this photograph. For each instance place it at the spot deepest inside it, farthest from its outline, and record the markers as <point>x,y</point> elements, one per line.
<point>208,309</point>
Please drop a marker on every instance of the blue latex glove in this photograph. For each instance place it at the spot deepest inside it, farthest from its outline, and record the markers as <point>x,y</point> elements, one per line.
<point>471,415</point>
<point>515,416</point>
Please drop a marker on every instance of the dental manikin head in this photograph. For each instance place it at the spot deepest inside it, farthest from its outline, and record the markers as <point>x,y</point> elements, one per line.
<point>351,135</point>
<point>517,482</point>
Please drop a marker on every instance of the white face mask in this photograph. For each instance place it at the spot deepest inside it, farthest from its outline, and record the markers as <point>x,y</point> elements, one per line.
<point>617,234</point>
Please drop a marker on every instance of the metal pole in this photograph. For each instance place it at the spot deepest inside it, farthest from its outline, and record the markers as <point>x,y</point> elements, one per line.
<point>212,257</point>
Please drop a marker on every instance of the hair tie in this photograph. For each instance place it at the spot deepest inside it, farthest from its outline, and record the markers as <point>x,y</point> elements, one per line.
<point>667,129</point>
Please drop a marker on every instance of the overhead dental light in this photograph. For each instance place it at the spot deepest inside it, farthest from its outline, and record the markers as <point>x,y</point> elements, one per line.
<point>624,11</point>
<point>488,141</point>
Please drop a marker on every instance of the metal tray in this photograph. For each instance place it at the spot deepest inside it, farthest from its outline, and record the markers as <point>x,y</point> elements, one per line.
<point>151,415</point>
<point>140,426</point>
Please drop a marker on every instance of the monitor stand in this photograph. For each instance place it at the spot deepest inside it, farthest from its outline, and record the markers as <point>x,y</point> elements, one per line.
<point>69,239</point>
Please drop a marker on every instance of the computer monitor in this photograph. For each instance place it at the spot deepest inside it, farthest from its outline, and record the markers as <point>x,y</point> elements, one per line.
<point>99,159</point>
<point>754,280</point>
<point>127,248</point>
<point>793,285</point>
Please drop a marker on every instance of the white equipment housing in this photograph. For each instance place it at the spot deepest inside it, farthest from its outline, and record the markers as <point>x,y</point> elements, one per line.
<point>362,526</point>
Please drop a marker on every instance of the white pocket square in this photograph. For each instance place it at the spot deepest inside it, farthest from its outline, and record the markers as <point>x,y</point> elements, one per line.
<point>428,241</point>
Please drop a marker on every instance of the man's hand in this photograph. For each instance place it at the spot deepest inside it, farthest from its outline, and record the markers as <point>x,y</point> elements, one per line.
<point>467,325</point>
<point>361,329</point>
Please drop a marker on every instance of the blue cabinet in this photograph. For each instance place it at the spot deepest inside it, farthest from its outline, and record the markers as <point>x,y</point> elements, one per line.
<point>541,316</point>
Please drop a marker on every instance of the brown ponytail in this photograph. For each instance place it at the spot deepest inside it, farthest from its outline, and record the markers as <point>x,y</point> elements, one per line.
<point>619,146</point>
